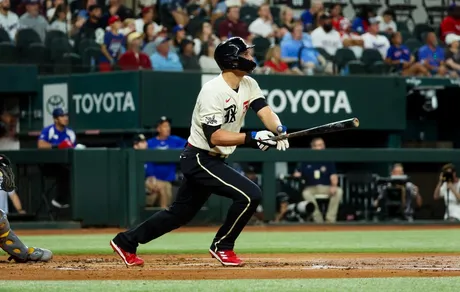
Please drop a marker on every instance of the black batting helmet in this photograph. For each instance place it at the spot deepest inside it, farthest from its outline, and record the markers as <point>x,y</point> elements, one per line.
<point>227,55</point>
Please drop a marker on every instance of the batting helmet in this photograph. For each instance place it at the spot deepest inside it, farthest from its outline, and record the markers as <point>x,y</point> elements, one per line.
<point>227,55</point>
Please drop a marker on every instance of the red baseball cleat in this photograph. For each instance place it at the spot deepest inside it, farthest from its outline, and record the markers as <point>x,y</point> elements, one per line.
<point>130,259</point>
<point>227,258</point>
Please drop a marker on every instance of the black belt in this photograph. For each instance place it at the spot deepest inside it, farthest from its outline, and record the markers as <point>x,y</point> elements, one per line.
<point>210,153</point>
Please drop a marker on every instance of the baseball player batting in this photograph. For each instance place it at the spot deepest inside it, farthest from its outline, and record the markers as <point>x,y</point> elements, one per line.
<point>215,133</point>
<point>9,242</point>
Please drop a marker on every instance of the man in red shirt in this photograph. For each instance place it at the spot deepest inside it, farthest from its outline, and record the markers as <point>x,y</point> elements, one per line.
<point>451,23</point>
<point>133,58</point>
<point>233,26</point>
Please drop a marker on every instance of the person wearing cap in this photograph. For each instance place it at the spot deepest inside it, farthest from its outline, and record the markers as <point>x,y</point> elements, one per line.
<point>113,45</point>
<point>164,59</point>
<point>164,173</point>
<point>310,16</point>
<point>452,52</point>
<point>178,36</point>
<point>451,23</point>
<point>92,27</point>
<point>32,18</point>
<point>58,136</point>
<point>134,58</point>
<point>432,57</point>
<point>325,36</point>
<point>232,26</point>
<point>9,21</point>
<point>400,57</point>
<point>147,17</point>
<point>372,39</point>
<point>360,23</point>
<point>187,56</point>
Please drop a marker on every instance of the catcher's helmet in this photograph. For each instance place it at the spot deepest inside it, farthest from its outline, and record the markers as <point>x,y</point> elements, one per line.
<point>227,55</point>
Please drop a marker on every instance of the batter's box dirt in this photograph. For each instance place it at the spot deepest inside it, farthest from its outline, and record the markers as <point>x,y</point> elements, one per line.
<point>258,266</point>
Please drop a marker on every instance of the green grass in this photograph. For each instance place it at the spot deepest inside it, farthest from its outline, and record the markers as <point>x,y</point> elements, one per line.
<point>342,285</point>
<point>268,242</point>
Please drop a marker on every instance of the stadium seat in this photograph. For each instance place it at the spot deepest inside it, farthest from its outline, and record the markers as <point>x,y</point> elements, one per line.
<point>356,67</point>
<point>248,14</point>
<point>8,53</point>
<point>369,58</point>
<point>58,47</point>
<point>25,37</point>
<point>90,59</point>
<point>402,10</point>
<point>406,35</point>
<point>385,34</point>
<point>4,36</point>
<point>86,43</point>
<point>35,54</point>
<point>437,10</point>
<point>402,26</point>
<point>413,44</point>
<point>342,57</point>
<point>420,29</point>
<point>261,46</point>
<point>53,34</point>
<point>69,63</point>
<point>379,68</point>
<point>325,54</point>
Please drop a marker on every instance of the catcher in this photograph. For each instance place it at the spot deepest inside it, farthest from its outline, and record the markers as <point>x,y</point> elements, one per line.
<point>9,242</point>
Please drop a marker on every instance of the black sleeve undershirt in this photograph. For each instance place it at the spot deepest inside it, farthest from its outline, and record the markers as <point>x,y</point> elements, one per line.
<point>258,104</point>
<point>208,131</point>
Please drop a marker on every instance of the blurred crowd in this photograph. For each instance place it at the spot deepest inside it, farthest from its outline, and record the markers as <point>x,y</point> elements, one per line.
<point>177,35</point>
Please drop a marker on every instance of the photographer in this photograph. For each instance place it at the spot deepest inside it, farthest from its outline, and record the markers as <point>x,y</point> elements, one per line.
<point>449,188</point>
<point>406,192</point>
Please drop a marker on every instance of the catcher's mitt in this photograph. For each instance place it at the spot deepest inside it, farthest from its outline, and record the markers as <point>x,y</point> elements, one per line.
<point>6,174</point>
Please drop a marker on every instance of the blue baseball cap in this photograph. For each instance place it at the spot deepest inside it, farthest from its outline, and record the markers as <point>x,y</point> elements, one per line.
<point>177,28</point>
<point>59,112</point>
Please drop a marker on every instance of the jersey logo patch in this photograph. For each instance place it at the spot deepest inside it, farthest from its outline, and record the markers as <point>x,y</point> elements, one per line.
<point>230,114</point>
<point>211,120</point>
<point>227,100</point>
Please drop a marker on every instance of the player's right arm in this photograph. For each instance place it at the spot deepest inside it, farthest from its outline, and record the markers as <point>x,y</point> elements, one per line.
<point>43,139</point>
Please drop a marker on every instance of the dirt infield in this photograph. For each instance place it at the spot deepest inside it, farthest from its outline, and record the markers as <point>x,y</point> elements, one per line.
<point>258,266</point>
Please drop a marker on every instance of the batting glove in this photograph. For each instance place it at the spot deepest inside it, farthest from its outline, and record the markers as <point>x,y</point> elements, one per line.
<point>260,140</point>
<point>282,145</point>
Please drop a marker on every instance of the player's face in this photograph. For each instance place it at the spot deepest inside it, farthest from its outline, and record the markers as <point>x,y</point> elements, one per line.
<point>62,120</point>
<point>247,55</point>
<point>164,129</point>
<point>318,145</point>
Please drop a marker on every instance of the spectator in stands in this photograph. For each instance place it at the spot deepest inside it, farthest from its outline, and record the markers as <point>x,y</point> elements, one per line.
<point>187,56</point>
<point>350,39</point>
<point>148,32</point>
<point>290,48</point>
<point>452,54</point>
<point>128,26</point>
<point>165,173</point>
<point>321,179</point>
<point>276,65</point>
<point>59,20</point>
<point>133,58</point>
<point>50,12</point>
<point>264,26</point>
<point>361,22</point>
<point>113,44</point>
<point>325,36</point>
<point>165,59</point>
<point>232,26</point>
<point>85,13</point>
<point>336,14</point>
<point>372,39</point>
<point>204,36</point>
<point>178,10</point>
<point>451,23</point>
<point>9,21</point>
<point>146,17</point>
<point>14,199</point>
<point>179,35</point>
<point>400,58</point>
<point>214,9</point>
<point>309,17</point>
<point>386,22</point>
<point>431,56</point>
<point>116,8</point>
<point>207,62</point>
<point>448,187</point>
<point>58,136</point>
<point>32,18</point>
<point>92,27</point>
<point>287,20</point>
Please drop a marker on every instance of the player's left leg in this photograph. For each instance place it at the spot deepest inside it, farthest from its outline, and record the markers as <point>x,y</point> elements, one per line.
<point>13,246</point>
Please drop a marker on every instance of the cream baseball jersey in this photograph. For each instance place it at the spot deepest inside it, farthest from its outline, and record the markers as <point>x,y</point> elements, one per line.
<point>218,104</point>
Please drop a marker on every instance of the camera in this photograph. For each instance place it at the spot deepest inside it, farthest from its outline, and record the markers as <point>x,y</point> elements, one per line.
<point>448,173</point>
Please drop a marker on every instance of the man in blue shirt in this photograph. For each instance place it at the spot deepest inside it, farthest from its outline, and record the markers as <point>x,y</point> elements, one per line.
<point>309,16</point>
<point>163,174</point>
<point>58,136</point>
<point>432,56</point>
<point>399,56</point>
<point>165,59</point>
<point>321,181</point>
<point>290,48</point>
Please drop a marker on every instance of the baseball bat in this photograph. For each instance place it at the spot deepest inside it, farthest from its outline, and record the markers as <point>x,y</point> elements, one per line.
<point>327,128</point>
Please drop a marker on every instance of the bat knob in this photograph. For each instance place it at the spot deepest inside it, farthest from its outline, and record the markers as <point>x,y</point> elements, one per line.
<point>356,122</point>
